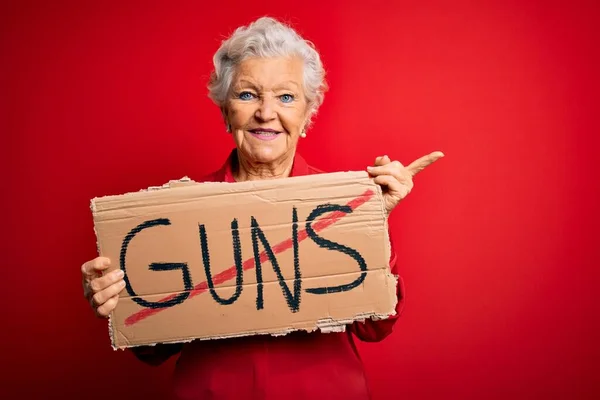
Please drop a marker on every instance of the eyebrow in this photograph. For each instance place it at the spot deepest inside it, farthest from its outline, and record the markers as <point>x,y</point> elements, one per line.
<point>242,82</point>
<point>287,83</point>
<point>246,81</point>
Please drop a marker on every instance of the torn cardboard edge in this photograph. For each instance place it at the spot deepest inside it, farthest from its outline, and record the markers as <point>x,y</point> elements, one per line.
<point>186,182</point>
<point>325,325</point>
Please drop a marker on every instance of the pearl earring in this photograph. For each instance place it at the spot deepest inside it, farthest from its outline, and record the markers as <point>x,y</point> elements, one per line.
<point>303,133</point>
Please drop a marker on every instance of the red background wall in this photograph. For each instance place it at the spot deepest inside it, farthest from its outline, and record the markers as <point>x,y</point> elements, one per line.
<point>498,242</point>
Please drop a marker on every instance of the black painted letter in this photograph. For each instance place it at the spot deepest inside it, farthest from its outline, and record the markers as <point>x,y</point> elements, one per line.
<point>329,245</point>
<point>187,280</point>
<point>293,300</point>
<point>237,254</point>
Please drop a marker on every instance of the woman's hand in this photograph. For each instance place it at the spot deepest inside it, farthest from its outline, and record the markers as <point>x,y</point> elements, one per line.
<point>396,179</point>
<point>101,291</point>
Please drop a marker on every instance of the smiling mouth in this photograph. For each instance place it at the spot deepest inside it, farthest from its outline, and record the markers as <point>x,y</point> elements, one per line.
<point>264,132</point>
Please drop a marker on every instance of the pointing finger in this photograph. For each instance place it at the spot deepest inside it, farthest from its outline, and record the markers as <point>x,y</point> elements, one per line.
<point>420,164</point>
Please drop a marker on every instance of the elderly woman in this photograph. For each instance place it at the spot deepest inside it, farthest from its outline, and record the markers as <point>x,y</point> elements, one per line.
<point>268,83</point>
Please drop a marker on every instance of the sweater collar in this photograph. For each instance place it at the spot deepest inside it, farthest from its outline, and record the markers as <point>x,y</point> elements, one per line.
<point>225,174</point>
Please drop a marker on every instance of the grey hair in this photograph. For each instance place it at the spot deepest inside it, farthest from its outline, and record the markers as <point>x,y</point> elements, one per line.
<point>266,38</point>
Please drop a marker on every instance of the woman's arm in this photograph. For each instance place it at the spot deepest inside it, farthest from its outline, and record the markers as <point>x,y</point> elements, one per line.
<point>397,182</point>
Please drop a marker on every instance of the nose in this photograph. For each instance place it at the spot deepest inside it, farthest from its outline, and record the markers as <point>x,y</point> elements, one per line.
<point>265,110</point>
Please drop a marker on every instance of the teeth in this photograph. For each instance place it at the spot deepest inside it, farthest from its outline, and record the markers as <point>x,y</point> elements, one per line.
<point>265,133</point>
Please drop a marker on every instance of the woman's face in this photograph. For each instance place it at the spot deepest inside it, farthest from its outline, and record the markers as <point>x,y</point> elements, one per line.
<point>267,109</point>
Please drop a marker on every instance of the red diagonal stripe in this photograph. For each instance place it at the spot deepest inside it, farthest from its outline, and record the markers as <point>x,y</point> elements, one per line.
<point>230,272</point>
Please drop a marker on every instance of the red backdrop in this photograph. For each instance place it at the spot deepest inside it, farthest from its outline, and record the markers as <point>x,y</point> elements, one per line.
<point>498,242</point>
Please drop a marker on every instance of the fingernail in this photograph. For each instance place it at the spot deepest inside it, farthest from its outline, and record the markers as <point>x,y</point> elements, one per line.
<point>120,273</point>
<point>369,167</point>
<point>122,283</point>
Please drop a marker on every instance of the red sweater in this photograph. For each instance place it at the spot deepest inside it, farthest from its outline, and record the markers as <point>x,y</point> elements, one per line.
<point>299,365</point>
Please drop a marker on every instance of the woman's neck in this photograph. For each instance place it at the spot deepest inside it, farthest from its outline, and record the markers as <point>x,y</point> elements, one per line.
<point>248,170</point>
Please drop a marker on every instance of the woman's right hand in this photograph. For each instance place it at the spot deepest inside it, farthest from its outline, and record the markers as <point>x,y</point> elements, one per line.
<point>101,291</point>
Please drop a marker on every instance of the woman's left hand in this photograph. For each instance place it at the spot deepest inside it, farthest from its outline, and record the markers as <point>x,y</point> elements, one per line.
<point>396,179</point>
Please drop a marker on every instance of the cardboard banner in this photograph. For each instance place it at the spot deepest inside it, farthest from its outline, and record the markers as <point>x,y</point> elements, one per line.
<point>218,260</point>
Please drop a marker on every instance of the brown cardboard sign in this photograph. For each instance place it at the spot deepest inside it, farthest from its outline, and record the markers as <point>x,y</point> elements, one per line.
<point>218,260</point>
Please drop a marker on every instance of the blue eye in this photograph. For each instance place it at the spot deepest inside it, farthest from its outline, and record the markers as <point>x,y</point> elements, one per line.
<point>286,98</point>
<point>246,96</point>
